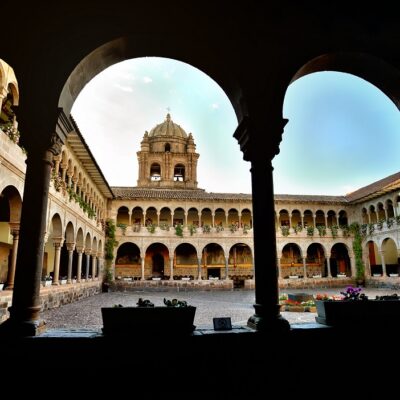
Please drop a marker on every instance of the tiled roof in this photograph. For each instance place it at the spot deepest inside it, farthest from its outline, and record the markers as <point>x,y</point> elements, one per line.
<point>376,189</point>
<point>130,193</point>
<point>310,198</point>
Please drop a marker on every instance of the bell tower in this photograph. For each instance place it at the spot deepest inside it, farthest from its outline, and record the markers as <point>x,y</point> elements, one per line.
<point>168,158</point>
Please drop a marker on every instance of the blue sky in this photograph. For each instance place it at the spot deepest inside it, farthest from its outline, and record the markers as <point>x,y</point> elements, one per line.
<point>342,134</point>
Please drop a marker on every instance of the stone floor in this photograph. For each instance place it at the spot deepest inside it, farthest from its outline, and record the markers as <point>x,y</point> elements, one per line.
<point>236,304</point>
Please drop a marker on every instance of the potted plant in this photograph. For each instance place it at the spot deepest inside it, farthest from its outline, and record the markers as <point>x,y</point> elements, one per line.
<point>354,308</point>
<point>174,318</point>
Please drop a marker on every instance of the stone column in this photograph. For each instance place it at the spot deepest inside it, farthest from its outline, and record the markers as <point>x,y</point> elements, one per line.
<point>326,220</point>
<point>42,146</point>
<point>79,250</point>
<point>70,248</point>
<point>353,266</point>
<point>130,218</point>
<point>172,218</point>
<point>267,309</point>
<point>305,267</point>
<point>369,217</point>
<point>212,219</point>
<point>302,220</point>
<point>11,272</point>
<point>87,254</point>
<point>278,264</point>
<point>94,266</point>
<point>313,218</point>
<point>328,267</point>
<point>142,262</point>
<point>171,267</point>
<point>186,216</point>
<point>226,267</point>
<point>57,253</point>
<point>199,268</point>
<point>99,264</point>
<point>158,218</point>
<point>386,214</point>
<point>383,262</point>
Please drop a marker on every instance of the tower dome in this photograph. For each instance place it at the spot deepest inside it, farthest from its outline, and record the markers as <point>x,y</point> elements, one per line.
<point>168,129</point>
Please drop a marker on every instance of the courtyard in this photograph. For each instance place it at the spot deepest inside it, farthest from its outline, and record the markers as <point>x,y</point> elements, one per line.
<point>236,304</point>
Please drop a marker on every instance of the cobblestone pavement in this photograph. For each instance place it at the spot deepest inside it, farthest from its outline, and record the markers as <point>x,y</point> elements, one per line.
<point>237,304</point>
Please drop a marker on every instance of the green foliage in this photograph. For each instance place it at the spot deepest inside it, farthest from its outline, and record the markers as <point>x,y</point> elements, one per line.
<point>321,230</point>
<point>151,228</point>
<point>110,243</point>
<point>123,228</point>
<point>285,230</point>
<point>334,230</point>
<point>179,230</point>
<point>206,228</point>
<point>310,230</point>
<point>175,303</point>
<point>192,229</point>
<point>357,248</point>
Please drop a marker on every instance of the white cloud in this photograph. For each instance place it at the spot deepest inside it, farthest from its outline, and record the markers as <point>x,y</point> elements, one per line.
<point>348,189</point>
<point>124,88</point>
<point>147,79</point>
<point>214,106</point>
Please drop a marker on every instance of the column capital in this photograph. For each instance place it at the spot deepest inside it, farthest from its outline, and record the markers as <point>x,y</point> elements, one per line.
<point>70,246</point>
<point>80,249</point>
<point>88,252</point>
<point>249,136</point>
<point>14,228</point>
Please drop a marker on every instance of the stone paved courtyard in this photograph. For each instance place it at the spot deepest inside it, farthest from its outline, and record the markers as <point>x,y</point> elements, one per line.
<point>236,304</point>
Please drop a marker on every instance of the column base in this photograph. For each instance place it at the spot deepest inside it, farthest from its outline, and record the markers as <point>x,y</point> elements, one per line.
<point>271,321</point>
<point>11,328</point>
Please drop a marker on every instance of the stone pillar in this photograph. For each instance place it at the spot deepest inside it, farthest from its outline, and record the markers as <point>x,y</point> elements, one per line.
<point>199,268</point>
<point>172,218</point>
<point>130,218</point>
<point>212,219</point>
<point>57,253</point>
<point>369,217</point>
<point>386,214</point>
<point>94,266</point>
<point>328,267</point>
<point>42,146</point>
<point>56,160</point>
<point>302,220</point>
<point>186,216</point>
<point>142,262</point>
<point>305,267</point>
<point>11,272</point>
<point>79,266</point>
<point>70,248</point>
<point>326,220</point>
<point>278,264</point>
<point>87,254</point>
<point>226,267</point>
<point>353,266</point>
<point>383,262</point>
<point>171,267</point>
<point>158,218</point>
<point>313,218</point>
<point>267,308</point>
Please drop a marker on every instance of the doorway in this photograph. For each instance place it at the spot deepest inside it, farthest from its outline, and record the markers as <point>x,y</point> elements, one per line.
<point>158,265</point>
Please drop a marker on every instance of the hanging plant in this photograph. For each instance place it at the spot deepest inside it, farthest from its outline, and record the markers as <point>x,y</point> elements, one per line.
<point>179,230</point>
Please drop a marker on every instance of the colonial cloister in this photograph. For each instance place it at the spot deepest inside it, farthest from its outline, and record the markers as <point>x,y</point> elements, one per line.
<point>169,229</point>
<point>55,203</point>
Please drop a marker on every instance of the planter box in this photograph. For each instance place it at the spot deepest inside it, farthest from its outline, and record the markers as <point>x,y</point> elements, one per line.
<point>160,321</point>
<point>358,312</point>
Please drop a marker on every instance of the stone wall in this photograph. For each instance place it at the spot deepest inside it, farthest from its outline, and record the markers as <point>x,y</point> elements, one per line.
<point>177,285</point>
<point>53,296</point>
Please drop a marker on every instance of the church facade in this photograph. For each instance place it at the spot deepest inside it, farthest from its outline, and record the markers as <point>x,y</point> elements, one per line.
<point>168,229</point>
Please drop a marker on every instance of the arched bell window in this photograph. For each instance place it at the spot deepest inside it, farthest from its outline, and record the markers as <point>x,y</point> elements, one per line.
<point>179,173</point>
<point>155,172</point>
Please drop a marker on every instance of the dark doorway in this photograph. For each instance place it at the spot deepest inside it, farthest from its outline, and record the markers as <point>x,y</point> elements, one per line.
<point>213,273</point>
<point>158,265</point>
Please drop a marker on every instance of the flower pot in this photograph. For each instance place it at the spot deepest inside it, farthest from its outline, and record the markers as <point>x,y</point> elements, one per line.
<point>358,312</point>
<point>125,321</point>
